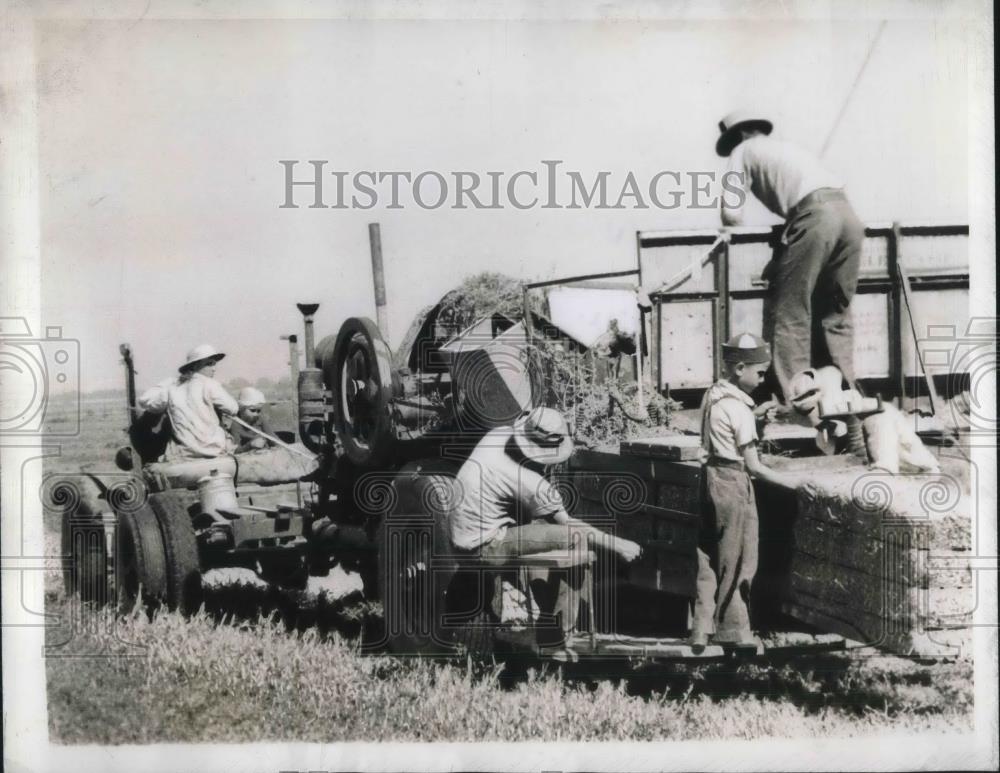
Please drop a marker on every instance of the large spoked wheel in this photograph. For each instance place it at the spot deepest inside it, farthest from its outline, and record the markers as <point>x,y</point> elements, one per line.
<point>361,378</point>
<point>141,562</point>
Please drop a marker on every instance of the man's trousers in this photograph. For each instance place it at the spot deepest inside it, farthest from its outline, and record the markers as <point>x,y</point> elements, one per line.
<point>813,276</point>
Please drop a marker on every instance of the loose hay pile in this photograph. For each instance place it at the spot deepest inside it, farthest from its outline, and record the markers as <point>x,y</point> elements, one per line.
<point>602,407</point>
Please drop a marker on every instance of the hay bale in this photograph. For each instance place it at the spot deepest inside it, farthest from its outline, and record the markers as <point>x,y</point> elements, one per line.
<point>861,554</point>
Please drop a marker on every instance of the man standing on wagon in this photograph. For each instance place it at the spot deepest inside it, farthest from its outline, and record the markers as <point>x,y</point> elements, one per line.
<point>813,273</point>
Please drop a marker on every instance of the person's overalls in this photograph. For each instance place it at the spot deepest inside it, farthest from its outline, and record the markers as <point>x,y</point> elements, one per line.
<point>727,550</point>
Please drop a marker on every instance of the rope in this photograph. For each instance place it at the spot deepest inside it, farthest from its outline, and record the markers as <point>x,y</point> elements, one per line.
<point>854,86</point>
<point>282,443</point>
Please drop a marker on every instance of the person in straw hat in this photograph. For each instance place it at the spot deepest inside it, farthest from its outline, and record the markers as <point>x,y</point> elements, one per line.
<point>193,401</point>
<point>728,544</point>
<point>813,273</point>
<point>505,507</point>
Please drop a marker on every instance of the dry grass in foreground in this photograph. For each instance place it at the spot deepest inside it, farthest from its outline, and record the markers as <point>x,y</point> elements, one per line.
<point>215,679</point>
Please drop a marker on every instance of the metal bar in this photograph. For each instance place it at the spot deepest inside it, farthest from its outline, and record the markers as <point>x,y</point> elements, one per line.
<point>722,288</point>
<point>598,285</point>
<point>716,342</point>
<point>293,364</point>
<point>700,296</point>
<point>904,281</point>
<point>895,320</point>
<point>658,307</point>
<point>126,353</point>
<point>582,278</point>
<point>378,277</point>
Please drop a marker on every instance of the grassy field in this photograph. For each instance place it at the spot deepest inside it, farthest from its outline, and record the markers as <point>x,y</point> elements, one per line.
<point>260,664</point>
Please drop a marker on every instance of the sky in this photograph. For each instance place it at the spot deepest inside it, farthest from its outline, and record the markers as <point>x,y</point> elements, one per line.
<point>159,144</point>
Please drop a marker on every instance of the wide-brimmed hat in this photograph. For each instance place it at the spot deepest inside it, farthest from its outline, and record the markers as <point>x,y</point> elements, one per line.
<point>251,398</point>
<point>542,436</point>
<point>746,348</point>
<point>732,125</point>
<point>201,355</point>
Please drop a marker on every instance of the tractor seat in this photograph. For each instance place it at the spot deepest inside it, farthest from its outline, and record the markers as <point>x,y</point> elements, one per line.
<point>186,473</point>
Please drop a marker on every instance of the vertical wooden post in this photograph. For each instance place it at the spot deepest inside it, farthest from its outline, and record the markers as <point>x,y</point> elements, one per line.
<point>293,364</point>
<point>722,288</point>
<point>897,377</point>
<point>529,327</point>
<point>720,328</point>
<point>378,277</point>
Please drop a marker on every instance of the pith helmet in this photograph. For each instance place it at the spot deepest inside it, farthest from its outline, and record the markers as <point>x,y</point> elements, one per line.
<point>732,124</point>
<point>746,348</point>
<point>201,355</point>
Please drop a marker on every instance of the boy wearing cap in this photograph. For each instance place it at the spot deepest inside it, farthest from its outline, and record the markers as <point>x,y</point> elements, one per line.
<point>727,553</point>
<point>813,273</point>
<point>251,402</point>
<point>507,508</point>
<point>193,402</point>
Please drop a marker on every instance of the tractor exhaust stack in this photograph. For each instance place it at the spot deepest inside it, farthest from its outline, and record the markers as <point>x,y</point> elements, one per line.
<point>308,310</point>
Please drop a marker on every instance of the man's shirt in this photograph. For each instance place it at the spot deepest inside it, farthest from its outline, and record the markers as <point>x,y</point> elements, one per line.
<point>493,489</point>
<point>728,424</point>
<point>778,173</point>
<point>191,403</point>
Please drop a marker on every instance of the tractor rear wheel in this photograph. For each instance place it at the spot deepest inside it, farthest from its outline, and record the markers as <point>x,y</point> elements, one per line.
<point>141,562</point>
<point>183,566</point>
<point>414,571</point>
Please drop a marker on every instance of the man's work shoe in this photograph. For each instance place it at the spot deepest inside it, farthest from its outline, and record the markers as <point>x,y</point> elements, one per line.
<point>698,642</point>
<point>563,655</point>
<point>745,645</point>
<point>218,537</point>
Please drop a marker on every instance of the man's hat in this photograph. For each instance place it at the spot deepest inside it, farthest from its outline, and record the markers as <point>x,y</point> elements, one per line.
<point>732,124</point>
<point>199,356</point>
<point>746,348</point>
<point>542,436</point>
<point>251,398</point>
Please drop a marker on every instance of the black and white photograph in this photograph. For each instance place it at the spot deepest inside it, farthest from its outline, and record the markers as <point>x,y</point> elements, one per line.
<point>498,385</point>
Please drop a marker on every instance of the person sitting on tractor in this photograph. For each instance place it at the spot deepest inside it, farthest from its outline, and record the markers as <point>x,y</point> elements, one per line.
<point>193,401</point>
<point>507,508</point>
<point>252,402</point>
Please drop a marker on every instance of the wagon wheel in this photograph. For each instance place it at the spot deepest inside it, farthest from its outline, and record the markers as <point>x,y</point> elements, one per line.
<point>141,562</point>
<point>180,547</point>
<point>362,380</point>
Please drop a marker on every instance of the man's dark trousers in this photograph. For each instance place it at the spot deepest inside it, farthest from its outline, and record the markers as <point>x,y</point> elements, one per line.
<point>813,276</point>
